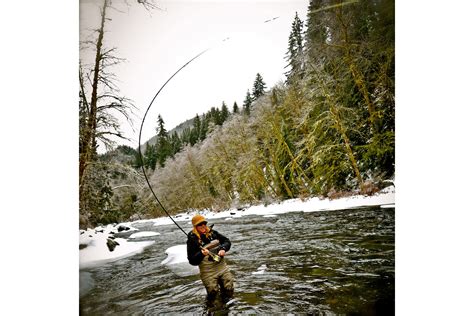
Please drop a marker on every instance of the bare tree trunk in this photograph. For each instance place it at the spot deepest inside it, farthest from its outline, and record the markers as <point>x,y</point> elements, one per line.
<point>88,144</point>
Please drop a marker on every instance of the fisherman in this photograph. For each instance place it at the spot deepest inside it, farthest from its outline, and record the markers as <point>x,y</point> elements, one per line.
<point>206,249</point>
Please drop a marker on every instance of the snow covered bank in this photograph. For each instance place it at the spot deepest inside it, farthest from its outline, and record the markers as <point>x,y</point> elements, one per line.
<point>143,234</point>
<point>96,244</point>
<point>384,198</point>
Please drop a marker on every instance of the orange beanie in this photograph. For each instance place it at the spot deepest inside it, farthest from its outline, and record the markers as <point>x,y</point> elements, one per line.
<point>197,219</point>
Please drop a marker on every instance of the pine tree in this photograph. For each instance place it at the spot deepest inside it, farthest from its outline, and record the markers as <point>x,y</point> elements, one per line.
<point>215,116</point>
<point>294,56</point>
<point>196,130</point>
<point>224,113</point>
<point>149,157</point>
<point>163,146</point>
<point>247,103</point>
<point>137,163</point>
<point>258,87</point>
<point>186,136</point>
<point>235,108</point>
<point>204,127</point>
<point>176,143</point>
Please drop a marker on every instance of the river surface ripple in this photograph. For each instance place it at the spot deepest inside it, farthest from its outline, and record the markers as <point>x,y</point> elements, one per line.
<point>321,263</point>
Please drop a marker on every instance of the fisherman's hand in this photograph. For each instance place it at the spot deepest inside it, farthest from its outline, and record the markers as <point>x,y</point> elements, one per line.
<point>205,251</point>
<point>221,253</point>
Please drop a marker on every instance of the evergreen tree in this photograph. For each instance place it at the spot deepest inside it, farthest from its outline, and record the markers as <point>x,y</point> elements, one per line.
<point>186,136</point>
<point>215,115</point>
<point>137,163</point>
<point>163,145</point>
<point>235,108</point>
<point>176,143</point>
<point>204,127</point>
<point>247,103</point>
<point>258,87</point>
<point>294,56</point>
<point>196,130</point>
<point>224,113</point>
<point>150,157</point>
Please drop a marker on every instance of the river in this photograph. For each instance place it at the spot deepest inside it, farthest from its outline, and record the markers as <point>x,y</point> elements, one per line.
<point>322,263</point>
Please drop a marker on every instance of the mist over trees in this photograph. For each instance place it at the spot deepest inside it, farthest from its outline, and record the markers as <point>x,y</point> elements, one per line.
<point>329,129</point>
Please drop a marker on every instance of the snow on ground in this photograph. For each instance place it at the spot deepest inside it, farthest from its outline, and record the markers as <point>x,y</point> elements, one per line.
<point>177,261</point>
<point>96,251</point>
<point>385,198</point>
<point>95,240</point>
<point>143,234</point>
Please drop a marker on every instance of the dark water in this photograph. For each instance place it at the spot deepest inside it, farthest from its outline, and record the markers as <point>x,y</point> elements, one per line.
<point>321,263</point>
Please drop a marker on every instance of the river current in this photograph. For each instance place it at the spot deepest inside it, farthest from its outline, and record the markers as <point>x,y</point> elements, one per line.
<point>321,263</point>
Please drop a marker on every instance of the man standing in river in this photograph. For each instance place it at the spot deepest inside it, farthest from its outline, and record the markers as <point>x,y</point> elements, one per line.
<point>206,249</point>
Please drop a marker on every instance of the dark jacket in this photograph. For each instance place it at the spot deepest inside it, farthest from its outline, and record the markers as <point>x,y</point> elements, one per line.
<point>195,255</point>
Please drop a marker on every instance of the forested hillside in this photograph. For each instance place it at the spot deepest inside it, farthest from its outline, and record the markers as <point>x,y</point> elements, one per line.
<point>329,129</point>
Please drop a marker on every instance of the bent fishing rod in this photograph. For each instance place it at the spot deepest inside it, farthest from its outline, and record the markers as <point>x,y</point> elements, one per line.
<point>143,121</point>
<point>140,137</point>
<point>214,256</point>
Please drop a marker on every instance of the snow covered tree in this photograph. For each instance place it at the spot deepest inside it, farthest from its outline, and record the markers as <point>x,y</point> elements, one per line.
<point>247,103</point>
<point>235,108</point>
<point>149,157</point>
<point>258,87</point>
<point>163,145</point>
<point>224,113</point>
<point>196,130</point>
<point>294,56</point>
<point>176,143</point>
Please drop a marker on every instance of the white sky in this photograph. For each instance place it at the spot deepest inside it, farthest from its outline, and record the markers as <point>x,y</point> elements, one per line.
<point>157,44</point>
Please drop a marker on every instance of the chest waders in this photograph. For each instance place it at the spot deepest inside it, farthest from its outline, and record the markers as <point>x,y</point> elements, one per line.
<point>215,276</point>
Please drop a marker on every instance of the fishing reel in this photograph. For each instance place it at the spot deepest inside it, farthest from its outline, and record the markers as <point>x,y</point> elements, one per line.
<point>212,256</point>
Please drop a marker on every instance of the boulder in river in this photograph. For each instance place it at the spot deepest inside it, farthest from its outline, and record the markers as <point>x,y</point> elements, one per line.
<point>111,244</point>
<point>122,228</point>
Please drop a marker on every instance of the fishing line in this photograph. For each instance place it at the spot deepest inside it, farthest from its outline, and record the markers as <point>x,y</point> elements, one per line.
<point>140,137</point>
<point>143,121</point>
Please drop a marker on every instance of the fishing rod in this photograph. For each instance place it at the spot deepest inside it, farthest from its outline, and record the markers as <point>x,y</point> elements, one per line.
<point>210,246</point>
<point>214,256</point>
<point>143,121</point>
<point>140,137</point>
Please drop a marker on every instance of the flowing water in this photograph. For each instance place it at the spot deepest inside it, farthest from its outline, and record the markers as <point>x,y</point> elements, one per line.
<point>320,263</point>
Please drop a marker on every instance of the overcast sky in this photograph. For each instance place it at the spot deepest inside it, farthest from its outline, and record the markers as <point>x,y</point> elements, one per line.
<point>157,44</point>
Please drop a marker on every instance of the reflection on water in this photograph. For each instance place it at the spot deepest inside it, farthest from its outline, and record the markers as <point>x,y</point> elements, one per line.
<point>335,262</point>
